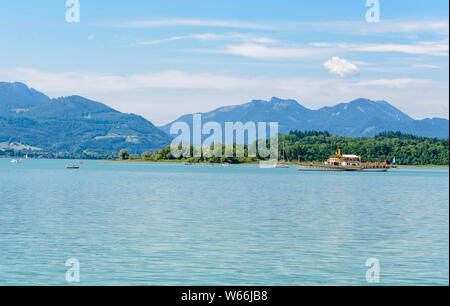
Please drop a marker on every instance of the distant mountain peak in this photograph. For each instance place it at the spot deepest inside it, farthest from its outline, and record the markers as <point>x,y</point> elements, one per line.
<point>16,86</point>
<point>13,84</point>
<point>18,97</point>
<point>362,100</point>
<point>276,100</point>
<point>368,101</point>
<point>19,85</point>
<point>377,109</point>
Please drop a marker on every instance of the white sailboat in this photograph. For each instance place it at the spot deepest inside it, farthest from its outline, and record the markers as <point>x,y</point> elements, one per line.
<point>394,163</point>
<point>282,163</point>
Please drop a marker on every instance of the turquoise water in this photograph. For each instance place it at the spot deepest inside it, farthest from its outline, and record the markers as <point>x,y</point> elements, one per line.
<point>164,224</point>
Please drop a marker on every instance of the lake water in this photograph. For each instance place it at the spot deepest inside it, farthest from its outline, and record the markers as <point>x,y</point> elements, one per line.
<point>170,224</point>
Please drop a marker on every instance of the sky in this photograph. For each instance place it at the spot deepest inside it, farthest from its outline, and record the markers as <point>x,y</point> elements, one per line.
<point>165,59</point>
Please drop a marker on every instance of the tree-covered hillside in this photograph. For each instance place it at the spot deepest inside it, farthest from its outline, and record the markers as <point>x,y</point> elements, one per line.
<point>31,121</point>
<point>407,149</point>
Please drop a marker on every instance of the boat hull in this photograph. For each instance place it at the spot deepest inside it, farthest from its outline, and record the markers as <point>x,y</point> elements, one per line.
<point>339,168</point>
<point>320,168</point>
<point>374,170</point>
<point>344,162</point>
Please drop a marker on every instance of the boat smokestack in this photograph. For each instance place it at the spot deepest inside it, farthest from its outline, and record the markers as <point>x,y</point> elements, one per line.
<point>340,152</point>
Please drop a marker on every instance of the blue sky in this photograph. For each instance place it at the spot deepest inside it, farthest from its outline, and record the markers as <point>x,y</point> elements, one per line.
<point>162,60</point>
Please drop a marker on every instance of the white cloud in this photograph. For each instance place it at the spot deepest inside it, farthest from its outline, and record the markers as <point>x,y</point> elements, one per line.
<point>163,96</point>
<point>96,82</point>
<point>264,40</point>
<point>91,37</point>
<point>433,48</point>
<point>264,52</point>
<point>430,26</point>
<point>439,27</point>
<point>397,83</point>
<point>212,36</point>
<point>428,48</point>
<point>194,23</point>
<point>261,51</point>
<point>341,67</point>
<point>426,66</point>
<point>207,36</point>
<point>348,27</point>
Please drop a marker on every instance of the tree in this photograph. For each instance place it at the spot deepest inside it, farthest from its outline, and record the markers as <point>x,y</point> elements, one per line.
<point>123,154</point>
<point>146,155</point>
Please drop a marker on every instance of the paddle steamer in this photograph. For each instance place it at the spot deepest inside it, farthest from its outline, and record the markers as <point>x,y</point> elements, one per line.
<point>344,162</point>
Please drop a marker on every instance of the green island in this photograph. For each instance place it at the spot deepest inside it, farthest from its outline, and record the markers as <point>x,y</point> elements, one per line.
<point>408,150</point>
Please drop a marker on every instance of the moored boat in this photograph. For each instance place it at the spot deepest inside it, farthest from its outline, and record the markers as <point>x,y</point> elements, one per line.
<point>282,163</point>
<point>72,167</point>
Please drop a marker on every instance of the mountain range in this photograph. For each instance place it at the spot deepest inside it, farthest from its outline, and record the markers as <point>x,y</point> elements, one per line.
<point>30,120</point>
<point>358,118</point>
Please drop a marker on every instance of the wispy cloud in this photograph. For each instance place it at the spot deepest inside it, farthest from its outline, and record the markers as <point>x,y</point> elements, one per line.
<point>173,79</point>
<point>211,36</point>
<point>427,66</point>
<point>264,40</point>
<point>440,27</point>
<point>427,48</point>
<point>396,83</point>
<point>194,23</point>
<point>166,86</point>
<point>358,27</point>
<point>207,36</point>
<point>436,26</point>
<point>89,81</point>
<point>259,51</point>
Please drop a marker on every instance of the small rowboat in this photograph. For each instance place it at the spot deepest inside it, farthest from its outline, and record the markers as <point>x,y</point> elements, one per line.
<point>72,167</point>
<point>281,165</point>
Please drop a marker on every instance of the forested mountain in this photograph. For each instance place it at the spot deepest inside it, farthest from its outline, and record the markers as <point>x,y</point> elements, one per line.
<point>31,120</point>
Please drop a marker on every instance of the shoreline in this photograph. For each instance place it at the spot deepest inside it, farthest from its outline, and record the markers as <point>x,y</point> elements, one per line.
<point>423,166</point>
<point>247,163</point>
<point>204,163</point>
